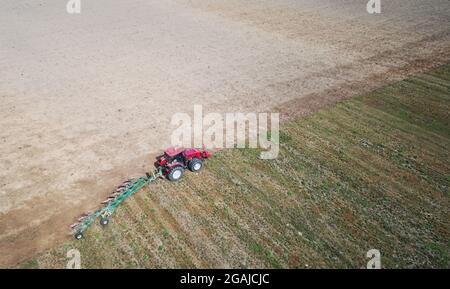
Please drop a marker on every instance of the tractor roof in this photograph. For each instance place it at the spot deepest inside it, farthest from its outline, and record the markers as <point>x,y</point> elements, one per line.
<point>173,151</point>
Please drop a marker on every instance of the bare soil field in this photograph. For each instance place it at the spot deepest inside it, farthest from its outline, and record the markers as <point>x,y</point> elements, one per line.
<point>86,99</point>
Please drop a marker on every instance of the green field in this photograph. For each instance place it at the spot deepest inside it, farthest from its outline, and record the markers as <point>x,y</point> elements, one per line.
<point>371,172</point>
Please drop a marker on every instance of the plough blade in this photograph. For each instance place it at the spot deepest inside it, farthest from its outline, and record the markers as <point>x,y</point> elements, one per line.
<point>80,219</point>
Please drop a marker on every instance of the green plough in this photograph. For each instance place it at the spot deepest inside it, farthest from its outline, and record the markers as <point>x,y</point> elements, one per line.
<point>123,192</point>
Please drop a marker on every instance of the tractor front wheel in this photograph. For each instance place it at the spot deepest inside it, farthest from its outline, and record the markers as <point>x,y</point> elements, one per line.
<point>195,165</point>
<point>175,174</point>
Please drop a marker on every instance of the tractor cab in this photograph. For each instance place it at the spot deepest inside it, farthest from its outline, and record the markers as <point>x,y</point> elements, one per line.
<point>174,154</point>
<point>173,151</point>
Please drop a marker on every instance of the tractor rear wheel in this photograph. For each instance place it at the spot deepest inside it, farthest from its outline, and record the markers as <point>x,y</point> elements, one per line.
<point>195,165</point>
<point>175,174</point>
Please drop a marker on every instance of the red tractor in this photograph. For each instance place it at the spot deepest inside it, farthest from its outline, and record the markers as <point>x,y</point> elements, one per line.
<point>176,159</point>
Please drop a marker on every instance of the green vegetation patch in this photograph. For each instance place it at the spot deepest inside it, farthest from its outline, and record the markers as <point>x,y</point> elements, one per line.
<point>370,173</point>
